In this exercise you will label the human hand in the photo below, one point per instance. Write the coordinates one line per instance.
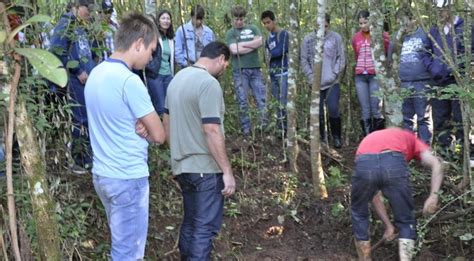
(83, 77)
(431, 205)
(229, 184)
(140, 129)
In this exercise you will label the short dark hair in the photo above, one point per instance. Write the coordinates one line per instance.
(238, 11)
(169, 32)
(198, 12)
(327, 17)
(363, 14)
(216, 49)
(404, 11)
(268, 14)
(134, 26)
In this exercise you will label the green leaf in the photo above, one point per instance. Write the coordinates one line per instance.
(3, 36)
(16, 31)
(71, 64)
(47, 64)
(39, 18)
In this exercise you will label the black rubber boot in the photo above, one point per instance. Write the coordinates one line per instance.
(366, 126)
(336, 131)
(378, 124)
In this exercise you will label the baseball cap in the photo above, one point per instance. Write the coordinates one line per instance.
(107, 6)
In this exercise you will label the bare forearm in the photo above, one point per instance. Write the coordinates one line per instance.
(380, 209)
(436, 178)
(216, 144)
(239, 49)
(254, 44)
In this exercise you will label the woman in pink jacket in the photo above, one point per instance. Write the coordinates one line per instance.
(366, 84)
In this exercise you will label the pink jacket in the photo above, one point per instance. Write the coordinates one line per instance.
(363, 52)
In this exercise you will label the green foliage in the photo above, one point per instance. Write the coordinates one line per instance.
(336, 178)
(47, 64)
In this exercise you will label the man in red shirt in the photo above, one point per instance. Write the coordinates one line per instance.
(381, 165)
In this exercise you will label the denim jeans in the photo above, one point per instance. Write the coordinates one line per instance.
(157, 89)
(280, 94)
(81, 149)
(387, 172)
(329, 97)
(203, 209)
(244, 80)
(367, 87)
(447, 118)
(126, 205)
(417, 104)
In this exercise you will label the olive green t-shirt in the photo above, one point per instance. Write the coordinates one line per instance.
(194, 97)
(245, 34)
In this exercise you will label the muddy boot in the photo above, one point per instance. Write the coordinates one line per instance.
(406, 248)
(363, 250)
(336, 132)
(378, 124)
(366, 126)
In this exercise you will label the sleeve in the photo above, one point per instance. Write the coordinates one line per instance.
(74, 55)
(256, 31)
(210, 102)
(341, 56)
(136, 97)
(179, 47)
(306, 60)
(229, 37)
(386, 41)
(287, 42)
(354, 47)
(420, 147)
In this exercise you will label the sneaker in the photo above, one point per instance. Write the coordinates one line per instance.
(78, 170)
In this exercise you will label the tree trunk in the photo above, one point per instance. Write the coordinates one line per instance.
(316, 163)
(43, 206)
(292, 141)
(389, 89)
(466, 105)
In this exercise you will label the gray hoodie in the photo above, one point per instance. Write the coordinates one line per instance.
(334, 59)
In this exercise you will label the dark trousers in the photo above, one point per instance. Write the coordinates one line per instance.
(157, 89)
(387, 172)
(447, 118)
(417, 104)
(329, 97)
(203, 208)
(81, 149)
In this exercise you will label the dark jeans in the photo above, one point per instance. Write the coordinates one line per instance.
(446, 119)
(81, 149)
(203, 208)
(280, 94)
(417, 104)
(157, 89)
(329, 97)
(244, 80)
(387, 172)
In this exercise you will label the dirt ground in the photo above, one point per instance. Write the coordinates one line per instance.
(274, 215)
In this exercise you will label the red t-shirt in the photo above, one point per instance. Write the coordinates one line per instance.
(393, 139)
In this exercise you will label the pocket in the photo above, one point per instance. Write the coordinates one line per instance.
(118, 191)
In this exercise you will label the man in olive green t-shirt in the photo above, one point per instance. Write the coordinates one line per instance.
(244, 41)
(193, 121)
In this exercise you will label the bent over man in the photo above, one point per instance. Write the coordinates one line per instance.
(381, 165)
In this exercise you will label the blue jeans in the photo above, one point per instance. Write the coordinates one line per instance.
(387, 172)
(157, 89)
(126, 205)
(417, 104)
(81, 149)
(366, 87)
(329, 97)
(280, 94)
(203, 209)
(447, 118)
(244, 80)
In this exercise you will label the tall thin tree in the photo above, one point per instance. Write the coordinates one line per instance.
(292, 141)
(316, 162)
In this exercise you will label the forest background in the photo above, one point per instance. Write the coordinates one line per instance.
(286, 208)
